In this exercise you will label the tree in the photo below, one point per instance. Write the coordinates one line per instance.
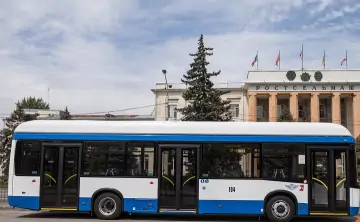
(206, 104)
(205, 101)
(34, 103)
(16, 118)
(65, 114)
(286, 116)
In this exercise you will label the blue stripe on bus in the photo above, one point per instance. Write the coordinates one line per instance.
(150, 205)
(250, 207)
(25, 202)
(185, 137)
(354, 211)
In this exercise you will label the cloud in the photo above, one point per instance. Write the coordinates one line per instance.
(108, 55)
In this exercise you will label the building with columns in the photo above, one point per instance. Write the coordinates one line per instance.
(310, 96)
(168, 99)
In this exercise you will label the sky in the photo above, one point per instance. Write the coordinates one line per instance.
(107, 55)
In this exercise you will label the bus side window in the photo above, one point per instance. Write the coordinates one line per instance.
(27, 158)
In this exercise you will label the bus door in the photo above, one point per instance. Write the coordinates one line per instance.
(59, 176)
(178, 183)
(327, 176)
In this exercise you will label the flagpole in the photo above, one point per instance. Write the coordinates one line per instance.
(324, 59)
(257, 62)
(279, 60)
(302, 57)
(346, 59)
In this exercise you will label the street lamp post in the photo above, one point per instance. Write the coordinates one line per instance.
(167, 111)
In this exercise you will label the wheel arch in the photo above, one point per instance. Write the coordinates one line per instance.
(281, 193)
(107, 190)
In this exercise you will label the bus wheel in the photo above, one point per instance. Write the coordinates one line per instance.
(108, 206)
(280, 209)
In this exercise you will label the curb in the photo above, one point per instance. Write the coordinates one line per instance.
(4, 205)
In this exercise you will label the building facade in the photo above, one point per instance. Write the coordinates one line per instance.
(169, 99)
(309, 95)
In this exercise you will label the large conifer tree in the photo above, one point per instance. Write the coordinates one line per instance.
(205, 103)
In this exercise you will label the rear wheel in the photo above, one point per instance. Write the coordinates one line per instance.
(108, 206)
(280, 209)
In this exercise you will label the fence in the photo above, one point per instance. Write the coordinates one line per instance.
(3, 189)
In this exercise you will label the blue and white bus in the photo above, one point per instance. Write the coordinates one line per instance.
(110, 168)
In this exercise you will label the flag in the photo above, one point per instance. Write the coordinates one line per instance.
(278, 60)
(301, 53)
(343, 60)
(323, 60)
(255, 60)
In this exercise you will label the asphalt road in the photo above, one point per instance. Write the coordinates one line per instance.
(10, 215)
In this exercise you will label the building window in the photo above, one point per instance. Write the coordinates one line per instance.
(227, 160)
(27, 158)
(322, 111)
(118, 159)
(260, 111)
(281, 109)
(234, 110)
(172, 111)
(283, 161)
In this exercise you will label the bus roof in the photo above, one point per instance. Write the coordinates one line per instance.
(179, 127)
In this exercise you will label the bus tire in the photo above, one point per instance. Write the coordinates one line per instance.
(280, 209)
(108, 206)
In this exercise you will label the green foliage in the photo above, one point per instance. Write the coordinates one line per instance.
(65, 114)
(33, 103)
(16, 118)
(286, 116)
(205, 101)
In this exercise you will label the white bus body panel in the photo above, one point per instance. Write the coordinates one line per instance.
(184, 128)
(23, 191)
(137, 192)
(245, 196)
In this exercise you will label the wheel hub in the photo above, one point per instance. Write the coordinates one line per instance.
(107, 206)
(280, 209)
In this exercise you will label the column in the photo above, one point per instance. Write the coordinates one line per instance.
(252, 107)
(335, 108)
(349, 113)
(272, 107)
(294, 106)
(314, 107)
(356, 116)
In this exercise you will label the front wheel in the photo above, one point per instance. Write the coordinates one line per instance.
(108, 206)
(280, 209)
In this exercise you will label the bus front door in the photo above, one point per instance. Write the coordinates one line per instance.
(178, 183)
(328, 189)
(59, 176)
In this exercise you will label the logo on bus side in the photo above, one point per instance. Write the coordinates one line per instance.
(204, 181)
(291, 186)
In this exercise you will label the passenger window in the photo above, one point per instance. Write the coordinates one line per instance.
(228, 160)
(283, 161)
(27, 158)
(118, 159)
